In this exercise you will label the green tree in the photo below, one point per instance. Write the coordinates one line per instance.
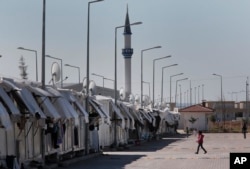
(192, 120)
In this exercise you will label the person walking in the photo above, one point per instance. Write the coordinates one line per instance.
(200, 143)
(244, 130)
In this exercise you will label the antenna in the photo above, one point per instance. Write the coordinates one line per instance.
(122, 94)
(55, 72)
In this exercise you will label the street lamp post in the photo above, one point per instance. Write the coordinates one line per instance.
(142, 70)
(87, 78)
(176, 87)
(171, 86)
(180, 96)
(115, 86)
(202, 92)
(75, 67)
(103, 78)
(109, 79)
(148, 87)
(222, 110)
(162, 75)
(61, 67)
(21, 48)
(154, 75)
(43, 78)
(198, 94)
(195, 95)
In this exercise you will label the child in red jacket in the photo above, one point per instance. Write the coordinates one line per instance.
(200, 142)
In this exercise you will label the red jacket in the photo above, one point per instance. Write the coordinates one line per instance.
(200, 138)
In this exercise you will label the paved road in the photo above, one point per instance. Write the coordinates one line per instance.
(172, 152)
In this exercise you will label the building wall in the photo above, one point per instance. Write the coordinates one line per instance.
(200, 124)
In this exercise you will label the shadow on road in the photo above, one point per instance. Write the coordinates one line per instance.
(119, 159)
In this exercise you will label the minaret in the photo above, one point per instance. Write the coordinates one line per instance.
(127, 53)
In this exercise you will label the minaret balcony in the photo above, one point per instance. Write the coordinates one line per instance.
(127, 53)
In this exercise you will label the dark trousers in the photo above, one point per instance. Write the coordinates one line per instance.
(244, 133)
(200, 145)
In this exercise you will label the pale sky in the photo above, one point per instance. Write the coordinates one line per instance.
(202, 36)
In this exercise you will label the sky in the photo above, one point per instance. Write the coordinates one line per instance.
(202, 37)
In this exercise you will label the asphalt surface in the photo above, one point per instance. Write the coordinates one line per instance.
(170, 152)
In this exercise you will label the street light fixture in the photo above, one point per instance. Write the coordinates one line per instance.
(74, 67)
(61, 66)
(109, 79)
(176, 87)
(142, 69)
(162, 79)
(21, 48)
(221, 97)
(154, 74)
(171, 85)
(101, 77)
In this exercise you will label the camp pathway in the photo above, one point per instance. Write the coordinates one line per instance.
(172, 152)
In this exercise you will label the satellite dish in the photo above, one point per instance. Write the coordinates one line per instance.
(163, 104)
(84, 83)
(92, 88)
(145, 100)
(122, 94)
(131, 98)
(137, 99)
(55, 72)
(157, 104)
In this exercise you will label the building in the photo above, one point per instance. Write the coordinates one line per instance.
(195, 117)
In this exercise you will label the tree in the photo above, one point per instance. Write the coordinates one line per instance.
(213, 118)
(23, 68)
(192, 120)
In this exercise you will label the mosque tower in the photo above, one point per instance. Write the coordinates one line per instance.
(127, 52)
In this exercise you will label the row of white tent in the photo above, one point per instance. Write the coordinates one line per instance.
(36, 123)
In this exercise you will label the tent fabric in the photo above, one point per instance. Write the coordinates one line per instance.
(98, 110)
(38, 91)
(145, 115)
(102, 110)
(83, 111)
(125, 115)
(153, 118)
(71, 98)
(126, 109)
(48, 108)
(4, 118)
(62, 105)
(12, 109)
(30, 103)
(44, 102)
(118, 112)
(133, 112)
(7, 85)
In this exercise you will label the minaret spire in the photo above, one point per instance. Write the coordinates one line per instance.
(127, 52)
(127, 29)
